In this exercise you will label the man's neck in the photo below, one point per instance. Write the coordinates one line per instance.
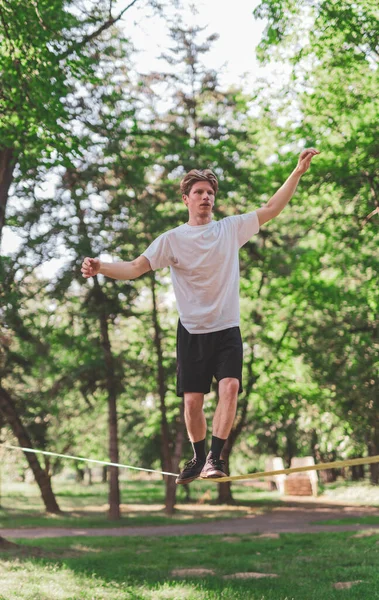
(195, 221)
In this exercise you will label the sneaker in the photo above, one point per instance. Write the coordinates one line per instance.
(190, 471)
(214, 467)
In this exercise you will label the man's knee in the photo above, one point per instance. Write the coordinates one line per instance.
(229, 386)
(193, 401)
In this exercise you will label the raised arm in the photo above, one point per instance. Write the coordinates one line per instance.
(118, 270)
(284, 194)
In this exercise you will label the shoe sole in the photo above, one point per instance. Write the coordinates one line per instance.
(213, 475)
(180, 481)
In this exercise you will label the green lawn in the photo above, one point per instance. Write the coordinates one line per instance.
(306, 567)
(143, 504)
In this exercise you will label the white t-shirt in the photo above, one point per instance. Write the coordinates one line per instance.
(204, 265)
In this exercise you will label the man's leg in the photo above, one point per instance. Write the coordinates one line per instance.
(222, 424)
(194, 416)
(226, 408)
(196, 428)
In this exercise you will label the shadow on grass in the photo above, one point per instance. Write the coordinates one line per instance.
(144, 506)
(132, 515)
(306, 566)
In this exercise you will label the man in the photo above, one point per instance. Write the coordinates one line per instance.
(203, 258)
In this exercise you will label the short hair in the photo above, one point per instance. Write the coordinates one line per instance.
(198, 175)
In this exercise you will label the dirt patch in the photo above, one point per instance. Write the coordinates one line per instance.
(230, 539)
(249, 575)
(301, 519)
(368, 533)
(345, 585)
(273, 536)
(78, 548)
(373, 510)
(196, 572)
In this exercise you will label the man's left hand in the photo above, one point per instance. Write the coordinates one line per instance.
(305, 160)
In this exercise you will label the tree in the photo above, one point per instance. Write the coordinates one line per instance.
(203, 126)
(46, 49)
(335, 81)
(44, 245)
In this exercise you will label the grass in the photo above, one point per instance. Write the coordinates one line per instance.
(307, 568)
(361, 492)
(86, 506)
(143, 503)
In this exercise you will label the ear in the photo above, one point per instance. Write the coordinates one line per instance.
(185, 199)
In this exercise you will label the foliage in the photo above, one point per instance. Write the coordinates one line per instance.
(113, 152)
(331, 268)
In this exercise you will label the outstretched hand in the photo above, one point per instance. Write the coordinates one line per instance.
(305, 159)
(90, 267)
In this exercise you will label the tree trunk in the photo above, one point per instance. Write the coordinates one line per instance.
(8, 410)
(357, 472)
(5, 545)
(291, 442)
(167, 463)
(187, 491)
(328, 476)
(111, 384)
(79, 475)
(225, 489)
(7, 162)
(104, 477)
(171, 487)
(373, 450)
(88, 472)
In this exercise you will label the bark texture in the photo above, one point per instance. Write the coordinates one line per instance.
(9, 412)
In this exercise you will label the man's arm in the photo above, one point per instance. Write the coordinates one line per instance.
(118, 270)
(284, 194)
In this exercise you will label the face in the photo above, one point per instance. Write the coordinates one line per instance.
(201, 199)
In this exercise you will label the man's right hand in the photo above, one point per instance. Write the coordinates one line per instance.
(90, 267)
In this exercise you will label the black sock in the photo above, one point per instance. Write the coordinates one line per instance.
(217, 446)
(199, 449)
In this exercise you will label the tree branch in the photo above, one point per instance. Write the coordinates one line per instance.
(88, 38)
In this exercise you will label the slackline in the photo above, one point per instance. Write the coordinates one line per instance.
(99, 462)
(337, 464)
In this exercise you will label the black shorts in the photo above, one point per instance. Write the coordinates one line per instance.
(200, 356)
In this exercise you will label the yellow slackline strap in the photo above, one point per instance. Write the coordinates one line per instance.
(99, 462)
(337, 464)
